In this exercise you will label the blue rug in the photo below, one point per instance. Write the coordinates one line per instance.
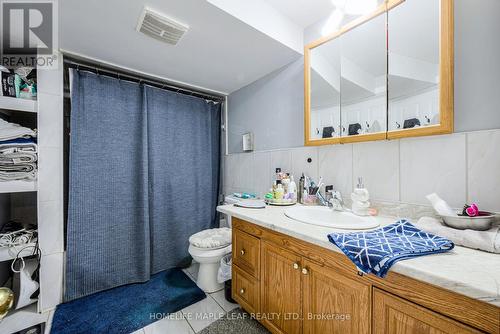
(127, 308)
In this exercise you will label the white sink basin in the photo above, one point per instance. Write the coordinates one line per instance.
(323, 216)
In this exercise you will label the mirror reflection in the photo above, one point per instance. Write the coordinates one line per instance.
(325, 90)
(413, 80)
(364, 79)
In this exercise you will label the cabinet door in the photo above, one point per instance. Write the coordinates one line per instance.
(334, 303)
(246, 252)
(281, 302)
(393, 315)
(245, 290)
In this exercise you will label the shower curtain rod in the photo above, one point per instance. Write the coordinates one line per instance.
(120, 73)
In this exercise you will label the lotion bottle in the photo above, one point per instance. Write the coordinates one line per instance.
(278, 194)
(292, 188)
(360, 199)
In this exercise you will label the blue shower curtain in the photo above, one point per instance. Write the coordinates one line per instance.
(144, 175)
(184, 142)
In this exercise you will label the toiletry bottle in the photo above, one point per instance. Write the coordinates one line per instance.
(278, 173)
(286, 183)
(278, 194)
(360, 199)
(300, 192)
(292, 188)
(360, 193)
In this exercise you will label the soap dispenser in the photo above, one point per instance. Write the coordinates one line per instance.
(360, 199)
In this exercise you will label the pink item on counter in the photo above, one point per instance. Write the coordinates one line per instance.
(472, 211)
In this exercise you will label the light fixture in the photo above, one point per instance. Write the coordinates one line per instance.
(333, 22)
(356, 7)
(343, 7)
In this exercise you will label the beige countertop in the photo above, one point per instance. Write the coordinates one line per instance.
(469, 272)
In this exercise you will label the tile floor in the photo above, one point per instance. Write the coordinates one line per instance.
(193, 318)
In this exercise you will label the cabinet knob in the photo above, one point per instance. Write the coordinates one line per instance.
(242, 252)
(305, 271)
(295, 266)
(242, 291)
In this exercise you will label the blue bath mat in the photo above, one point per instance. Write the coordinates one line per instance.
(127, 308)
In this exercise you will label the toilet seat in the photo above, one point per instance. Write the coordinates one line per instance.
(207, 248)
(209, 253)
(211, 239)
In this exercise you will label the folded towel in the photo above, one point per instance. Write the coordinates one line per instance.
(376, 251)
(488, 241)
(17, 158)
(18, 172)
(10, 131)
(15, 176)
(18, 144)
(17, 167)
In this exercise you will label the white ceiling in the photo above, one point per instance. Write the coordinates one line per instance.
(303, 12)
(219, 52)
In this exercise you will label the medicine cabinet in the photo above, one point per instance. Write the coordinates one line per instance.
(385, 75)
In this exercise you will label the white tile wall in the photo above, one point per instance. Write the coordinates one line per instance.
(301, 165)
(378, 164)
(335, 166)
(461, 168)
(261, 170)
(281, 159)
(434, 164)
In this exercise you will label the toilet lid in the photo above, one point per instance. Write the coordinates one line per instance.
(212, 238)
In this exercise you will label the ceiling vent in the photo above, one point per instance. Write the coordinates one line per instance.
(161, 27)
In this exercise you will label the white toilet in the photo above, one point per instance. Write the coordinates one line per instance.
(207, 248)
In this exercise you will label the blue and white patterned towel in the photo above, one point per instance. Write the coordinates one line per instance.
(376, 251)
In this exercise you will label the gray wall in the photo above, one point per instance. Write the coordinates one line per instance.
(272, 107)
(477, 65)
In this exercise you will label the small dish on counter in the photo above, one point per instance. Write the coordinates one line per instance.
(280, 202)
(482, 222)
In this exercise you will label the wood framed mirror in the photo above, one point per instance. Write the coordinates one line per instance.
(385, 75)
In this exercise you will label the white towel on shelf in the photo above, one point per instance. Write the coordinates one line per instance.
(10, 131)
(14, 172)
(18, 176)
(18, 158)
(488, 241)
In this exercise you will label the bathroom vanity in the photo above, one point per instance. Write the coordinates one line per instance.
(295, 281)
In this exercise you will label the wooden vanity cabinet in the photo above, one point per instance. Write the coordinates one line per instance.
(246, 290)
(281, 289)
(333, 302)
(393, 315)
(294, 287)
